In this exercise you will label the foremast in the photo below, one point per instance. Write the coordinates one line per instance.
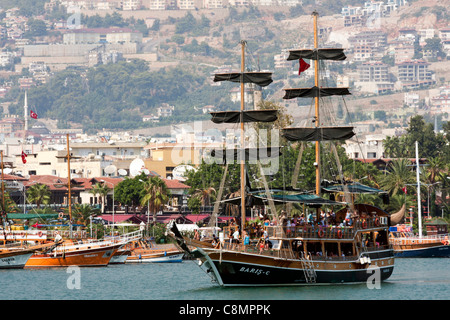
(243, 116)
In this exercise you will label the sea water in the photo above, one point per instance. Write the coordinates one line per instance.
(412, 279)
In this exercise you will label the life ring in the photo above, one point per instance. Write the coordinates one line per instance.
(377, 222)
(320, 233)
(339, 234)
(60, 215)
(364, 224)
(40, 234)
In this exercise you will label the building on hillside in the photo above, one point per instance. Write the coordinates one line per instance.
(370, 148)
(9, 125)
(415, 74)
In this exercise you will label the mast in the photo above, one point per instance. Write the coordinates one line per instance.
(316, 102)
(419, 204)
(242, 152)
(3, 212)
(69, 195)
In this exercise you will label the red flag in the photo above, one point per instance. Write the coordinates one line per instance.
(24, 157)
(33, 115)
(404, 190)
(303, 66)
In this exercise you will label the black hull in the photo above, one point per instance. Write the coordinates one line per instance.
(429, 252)
(239, 274)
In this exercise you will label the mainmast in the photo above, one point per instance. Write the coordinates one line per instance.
(242, 151)
(316, 103)
(69, 194)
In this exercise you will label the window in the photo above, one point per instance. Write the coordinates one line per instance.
(371, 155)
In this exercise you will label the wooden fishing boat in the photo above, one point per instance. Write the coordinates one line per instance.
(82, 253)
(345, 250)
(76, 253)
(146, 251)
(406, 244)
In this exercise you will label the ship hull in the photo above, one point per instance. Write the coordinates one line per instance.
(14, 260)
(97, 257)
(156, 257)
(240, 269)
(438, 251)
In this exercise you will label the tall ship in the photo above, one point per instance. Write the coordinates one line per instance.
(352, 247)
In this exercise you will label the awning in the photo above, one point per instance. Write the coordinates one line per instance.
(117, 217)
(32, 215)
(196, 217)
(356, 188)
(307, 199)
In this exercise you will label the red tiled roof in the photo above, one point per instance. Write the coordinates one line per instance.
(175, 184)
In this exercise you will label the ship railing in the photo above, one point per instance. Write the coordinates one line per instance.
(398, 240)
(329, 231)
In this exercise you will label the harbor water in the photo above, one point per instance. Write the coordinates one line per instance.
(413, 279)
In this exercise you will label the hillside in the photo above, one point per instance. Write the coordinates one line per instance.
(191, 45)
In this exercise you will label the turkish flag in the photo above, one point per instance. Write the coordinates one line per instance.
(405, 190)
(24, 157)
(33, 115)
(303, 66)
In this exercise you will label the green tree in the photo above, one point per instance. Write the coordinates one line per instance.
(39, 194)
(130, 190)
(82, 213)
(399, 174)
(156, 194)
(101, 189)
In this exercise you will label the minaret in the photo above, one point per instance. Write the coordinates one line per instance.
(25, 107)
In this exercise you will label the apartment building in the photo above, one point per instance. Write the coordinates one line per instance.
(415, 73)
(370, 148)
(374, 39)
(373, 71)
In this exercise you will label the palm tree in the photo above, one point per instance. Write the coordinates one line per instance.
(100, 189)
(82, 213)
(39, 194)
(204, 195)
(156, 194)
(397, 177)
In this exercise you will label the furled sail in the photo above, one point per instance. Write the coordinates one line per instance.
(314, 92)
(318, 134)
(317, 54)
(260, 78)
(247, 116)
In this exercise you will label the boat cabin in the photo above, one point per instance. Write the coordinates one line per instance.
(436, 227)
